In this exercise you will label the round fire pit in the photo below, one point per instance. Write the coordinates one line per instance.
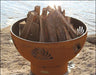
(49, 58)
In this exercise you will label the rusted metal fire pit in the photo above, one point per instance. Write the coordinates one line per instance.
(49, 58)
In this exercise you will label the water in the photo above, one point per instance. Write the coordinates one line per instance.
(12, 11)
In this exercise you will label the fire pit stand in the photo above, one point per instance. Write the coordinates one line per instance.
(49, 58)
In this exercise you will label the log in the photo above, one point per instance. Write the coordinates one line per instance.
(21, 25)
(63, 13)
(60, 22)
(37, 9)
(51, 28)
(44, 12)
(68, 21)
(58, 33)
(30, 28)
(29, 13)
(71, 26)
(34, 32)
(26, 28)
(71, 30)
(67, 18)
(67, 35)
(59, 9)
(44, 36)
(55, 7)
(49, 9)
(41, 31)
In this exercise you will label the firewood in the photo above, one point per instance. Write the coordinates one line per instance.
(50, 9)
(68, 19)
(21, 25)
(27, 27)
(34, 32)
(71, 26)
(69, 22)
(32, 28)
(67, 35)
(44, 37)
(44, 12)
(60, 20)
(55, 7)
(51, 28)
(59, 9)
(63, 13)
(41, 31)
(58, 34)
(37, 9)
(71, 31)
(29, 13)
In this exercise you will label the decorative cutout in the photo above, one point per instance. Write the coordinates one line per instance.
(80, 30)
(46, 72)
(77, 48)
(41, 54)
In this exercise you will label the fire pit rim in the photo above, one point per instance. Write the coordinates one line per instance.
(48, 42)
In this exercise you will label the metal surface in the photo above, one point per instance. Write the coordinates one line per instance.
(63, 74)
(49, 58)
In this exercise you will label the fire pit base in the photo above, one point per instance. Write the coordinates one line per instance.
(48, 58)
(34, 74)
(49, 70)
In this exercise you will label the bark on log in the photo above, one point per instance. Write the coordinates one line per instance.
(37, 9)
(47, 28)
(55, 7)
(63, 13)
(50, 9)
(58, 34)
(59, 9)
(31, 27)
(21, 26)
(71, 31)
(68, 19)
(51, 28)
(67, 35)
(44, 36)
(60, 22)
(34, 32)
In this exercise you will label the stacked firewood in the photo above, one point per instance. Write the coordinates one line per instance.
(51, 26)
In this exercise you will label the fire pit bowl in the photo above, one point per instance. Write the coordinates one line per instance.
(49, 58)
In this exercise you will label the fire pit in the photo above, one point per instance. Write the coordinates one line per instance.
(49, 58)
